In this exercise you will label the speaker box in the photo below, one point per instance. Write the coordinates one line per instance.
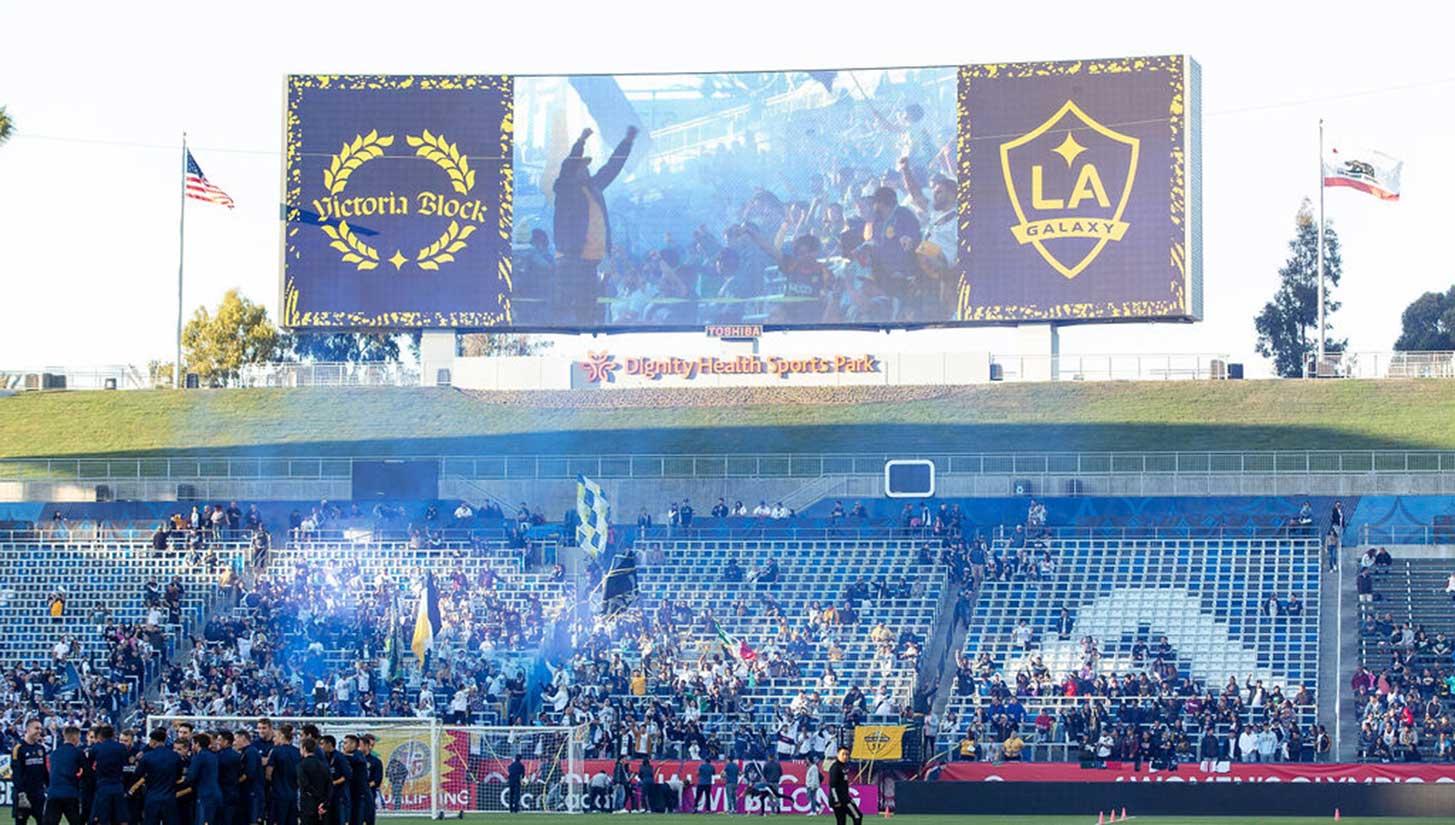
(193, 381)
(442, 378)
(1235, 372)
(103, 492)
(187, 492)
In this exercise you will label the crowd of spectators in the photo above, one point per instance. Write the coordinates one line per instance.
(850, 218)
(1404, 702)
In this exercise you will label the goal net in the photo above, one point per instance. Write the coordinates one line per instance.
(437, 769)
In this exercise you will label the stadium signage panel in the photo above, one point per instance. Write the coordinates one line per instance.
(741, 202)
(1224, 772)
(602, 366)
(735, 332)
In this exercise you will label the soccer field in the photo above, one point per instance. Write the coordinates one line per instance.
(684, 819)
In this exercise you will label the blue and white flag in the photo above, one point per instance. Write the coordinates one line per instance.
(593, 514)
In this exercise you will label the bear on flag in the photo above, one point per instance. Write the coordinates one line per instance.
(1367, 170)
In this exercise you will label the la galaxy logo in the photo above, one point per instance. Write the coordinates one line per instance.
(1061, 177)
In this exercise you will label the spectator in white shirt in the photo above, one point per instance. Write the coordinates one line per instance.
(1248, 745)
(762, 510)
(779, 511)
(464, 512)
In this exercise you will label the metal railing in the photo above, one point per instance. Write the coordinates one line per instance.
(342, 374)
(109, 377)
(1378, 534)
(1112, 367)
(1283, 532)
(1425, 364)
(712, 466)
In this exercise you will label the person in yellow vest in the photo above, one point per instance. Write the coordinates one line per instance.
(639, 683)
(969, 748)
(57, 606)
(1011, 748)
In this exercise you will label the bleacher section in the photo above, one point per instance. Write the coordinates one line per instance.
(811, 571)
(1206, 595)
(93, 573)
(1409, 592)
(515, 585)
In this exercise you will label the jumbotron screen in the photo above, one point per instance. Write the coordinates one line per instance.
(977, 194)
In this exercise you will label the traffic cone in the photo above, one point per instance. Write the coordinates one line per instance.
(1100, 818)
(1336, 814)
(1124, 813)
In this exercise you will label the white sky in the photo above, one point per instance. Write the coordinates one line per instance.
(101, 93)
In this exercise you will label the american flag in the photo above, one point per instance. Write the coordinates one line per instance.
(200, 188)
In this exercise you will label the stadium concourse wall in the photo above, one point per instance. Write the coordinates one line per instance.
(1272, 789)
(631, 494)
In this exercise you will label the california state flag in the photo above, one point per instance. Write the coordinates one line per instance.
(1364, 169)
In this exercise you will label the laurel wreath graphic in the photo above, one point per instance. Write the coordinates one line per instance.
(447, 156)
(442, 250)
(355, 251)
(353, 155)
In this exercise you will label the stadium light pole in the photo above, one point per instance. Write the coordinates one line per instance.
(181, 258)
(1319, 267)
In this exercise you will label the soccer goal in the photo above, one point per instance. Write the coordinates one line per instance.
(447, 770)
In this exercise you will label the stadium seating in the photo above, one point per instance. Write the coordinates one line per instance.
(108, 574)
(1206, 595)
(810, 570)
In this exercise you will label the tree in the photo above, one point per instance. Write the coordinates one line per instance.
(493, 343)
(217, 346)
(1288, 325)
(353, 347)
(7, 126)
(1428, 323)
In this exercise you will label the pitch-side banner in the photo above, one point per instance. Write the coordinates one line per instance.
(1204, 772)
(978, 194)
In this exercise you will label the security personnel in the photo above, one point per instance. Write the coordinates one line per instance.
(229, 771)
(160, 769)
(249, 779)
(29, 776)
(64, 791)
(130, 772)
(108, 761)
(282, 773)
(202, 776)
(338, 774)
(376, 780)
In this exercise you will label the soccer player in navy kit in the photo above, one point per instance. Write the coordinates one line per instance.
(229, 771)
(376, 780)
(339, 774)
(108, 760)
(129, 774)
(282, 774)
(64, 791)
(202, 776)
(249, 780)
(358, 783)
(160, 770)
(29, 775)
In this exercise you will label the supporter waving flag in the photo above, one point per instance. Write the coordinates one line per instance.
(737, 647)
(426, 619)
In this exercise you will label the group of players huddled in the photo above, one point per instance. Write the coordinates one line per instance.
(184, 776)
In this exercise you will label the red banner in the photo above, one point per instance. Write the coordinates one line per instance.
(1196, 772)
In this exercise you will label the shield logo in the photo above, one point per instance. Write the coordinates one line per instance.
(1069, 182)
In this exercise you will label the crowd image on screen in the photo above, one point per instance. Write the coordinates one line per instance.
(839, 208)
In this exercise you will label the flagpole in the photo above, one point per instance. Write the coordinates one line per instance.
(181, 259)
(1319, 273)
